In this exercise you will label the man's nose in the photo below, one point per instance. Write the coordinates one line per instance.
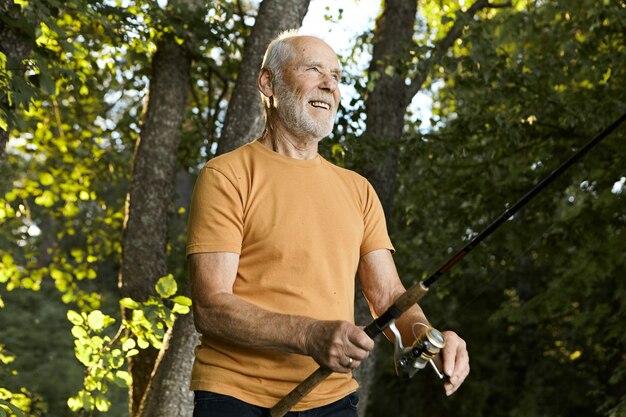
(329, 82)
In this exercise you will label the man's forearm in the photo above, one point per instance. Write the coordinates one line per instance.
(227, 317)
(407, 321)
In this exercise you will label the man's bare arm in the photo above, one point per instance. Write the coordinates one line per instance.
(381, 287)
(220, 314)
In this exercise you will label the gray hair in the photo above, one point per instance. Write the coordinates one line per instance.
(278, 52)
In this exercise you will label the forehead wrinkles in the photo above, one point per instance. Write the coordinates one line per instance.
(313, 51)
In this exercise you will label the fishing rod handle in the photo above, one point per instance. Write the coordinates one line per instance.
(283, 406)
(402, 303)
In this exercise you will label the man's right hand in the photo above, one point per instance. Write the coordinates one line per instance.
(337, 345)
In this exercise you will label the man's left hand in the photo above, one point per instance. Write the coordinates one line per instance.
(455, 361)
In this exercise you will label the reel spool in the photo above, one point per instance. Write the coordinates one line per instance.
(409, 360)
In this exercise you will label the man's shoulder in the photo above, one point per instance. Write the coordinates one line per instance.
(231, 160)
(345, 173)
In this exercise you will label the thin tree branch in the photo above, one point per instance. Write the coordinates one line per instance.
(200, 121)
(445, 43)
(242, 14)
(500, 6)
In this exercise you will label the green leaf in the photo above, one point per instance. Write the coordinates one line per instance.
(79, 332)
(180, 309)
(166, 286)
(182, 300)
(102, 404)
(46, 178)
(129, 344)
(129, 303)
(14, 409)
(124, 377)
(75, 318)
(143, 343)
(74, 404)
(96, 320)
(46, 199)
(46, 83)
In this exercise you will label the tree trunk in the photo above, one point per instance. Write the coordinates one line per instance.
(244, 117)
(144, 254)
(385, 109)
(386, 106)
(168, 394)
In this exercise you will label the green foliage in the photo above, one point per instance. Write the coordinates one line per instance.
(11, 403)
(104, 357)
(540, 303)
(43, 29)
(8, 409)
(64, 178)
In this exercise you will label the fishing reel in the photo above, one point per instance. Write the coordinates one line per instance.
(409, 360)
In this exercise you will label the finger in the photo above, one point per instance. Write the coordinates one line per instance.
(462, 368)
(448, 357)
(360, 339)
(353, 363)
(358, 354)
(456, 362)
(346, 365)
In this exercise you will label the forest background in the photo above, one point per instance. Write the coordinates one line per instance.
(110, 108)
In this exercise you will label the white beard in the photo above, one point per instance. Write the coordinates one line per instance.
(292, 110)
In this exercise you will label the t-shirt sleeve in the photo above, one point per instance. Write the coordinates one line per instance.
(216, 214)
(375, 235)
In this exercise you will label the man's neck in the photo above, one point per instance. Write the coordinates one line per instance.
(286, 144)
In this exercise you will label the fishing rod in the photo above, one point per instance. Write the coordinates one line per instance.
(429, 345)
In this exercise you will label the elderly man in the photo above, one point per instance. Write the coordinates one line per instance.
(276, 237)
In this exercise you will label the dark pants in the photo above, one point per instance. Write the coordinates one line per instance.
(209, 404)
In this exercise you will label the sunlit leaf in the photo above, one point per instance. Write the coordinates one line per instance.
(166, 286)
(129, 303)
(96, 320)
(75, 318)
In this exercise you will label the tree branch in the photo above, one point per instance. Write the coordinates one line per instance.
(445, 43)
(242, 14)
(500, 6)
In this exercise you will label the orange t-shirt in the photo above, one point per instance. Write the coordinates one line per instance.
(300, 227)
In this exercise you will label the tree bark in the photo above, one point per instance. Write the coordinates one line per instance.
(385, 108)
(244, 118)
(144, 253)
(168, 393)
(386, 105)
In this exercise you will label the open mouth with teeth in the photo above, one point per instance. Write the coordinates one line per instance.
(320, 105)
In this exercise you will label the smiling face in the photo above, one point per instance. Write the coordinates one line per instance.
(307, 95)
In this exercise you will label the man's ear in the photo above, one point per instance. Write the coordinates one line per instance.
(265, 84)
